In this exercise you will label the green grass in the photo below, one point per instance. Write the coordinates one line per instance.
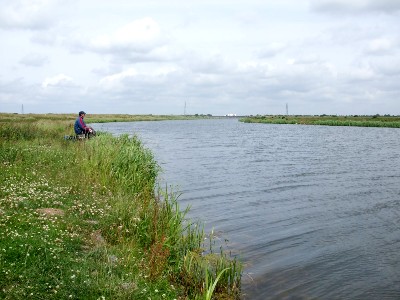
(87, 220)
(359, 121)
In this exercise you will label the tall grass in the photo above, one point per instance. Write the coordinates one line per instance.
(152, 216)
(122, 163)
(113, 231)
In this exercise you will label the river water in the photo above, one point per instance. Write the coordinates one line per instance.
(313, 211)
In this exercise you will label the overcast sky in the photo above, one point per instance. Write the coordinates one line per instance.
(219, 56)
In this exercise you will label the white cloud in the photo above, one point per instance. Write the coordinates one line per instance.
(144, 76)
(59, 80)
(379, 46)
(50, 37)
(305, 59)
(140, 36)
(388, 68)
(116, 80)
(210, 64)
(27, 14)
(34, 60)
(340, 6)
(271, 50)
(359, 74)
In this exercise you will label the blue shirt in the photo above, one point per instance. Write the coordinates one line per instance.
(80, 125)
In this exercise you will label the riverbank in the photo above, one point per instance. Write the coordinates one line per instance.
(360, 121)
(86, 220)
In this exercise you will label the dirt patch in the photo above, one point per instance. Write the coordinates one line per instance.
(97, 239)
(50, 211)
(92, 222)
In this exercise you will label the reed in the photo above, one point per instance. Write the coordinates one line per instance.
(211, 284)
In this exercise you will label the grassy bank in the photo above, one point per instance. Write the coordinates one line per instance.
(86, 220)
(360, 121)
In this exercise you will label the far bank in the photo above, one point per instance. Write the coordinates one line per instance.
(327, 120)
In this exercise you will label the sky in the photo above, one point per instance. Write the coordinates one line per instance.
(218, 57)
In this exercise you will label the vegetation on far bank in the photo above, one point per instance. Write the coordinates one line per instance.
(328, 120)
(86, 220)
(98, 118)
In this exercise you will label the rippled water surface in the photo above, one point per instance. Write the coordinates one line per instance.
(313, 211)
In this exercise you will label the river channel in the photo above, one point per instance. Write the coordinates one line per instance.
(313, 211)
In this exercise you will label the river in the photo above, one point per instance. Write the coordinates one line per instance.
(313, 211)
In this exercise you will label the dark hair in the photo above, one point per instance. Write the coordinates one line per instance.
(82, 112)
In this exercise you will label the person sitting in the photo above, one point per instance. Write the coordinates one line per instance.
(80, 126)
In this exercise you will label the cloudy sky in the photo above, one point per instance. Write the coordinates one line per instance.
(217, 56)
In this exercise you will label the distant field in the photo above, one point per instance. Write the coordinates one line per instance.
(360, 121)
(98, 118)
